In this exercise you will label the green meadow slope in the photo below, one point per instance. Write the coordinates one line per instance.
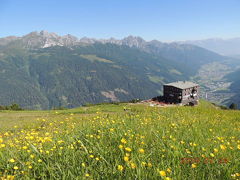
(121, 141)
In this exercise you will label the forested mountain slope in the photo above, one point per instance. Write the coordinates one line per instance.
(44, 70)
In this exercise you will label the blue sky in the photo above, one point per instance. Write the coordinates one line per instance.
(165, 20)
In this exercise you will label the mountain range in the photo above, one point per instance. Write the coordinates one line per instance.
(227, 47)
(43, 70)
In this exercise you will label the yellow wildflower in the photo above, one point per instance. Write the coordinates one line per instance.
(2, 145)
(149, 164)
(120, 146)
(162, 173)
(169, 170)
(124, 141)
(133, 166)
(141, 150)
(9, 177)
(12, 160)
(127, 154)
(194, 165)
(120, 167)
(126, 158)
(222, 147)
(128, 149)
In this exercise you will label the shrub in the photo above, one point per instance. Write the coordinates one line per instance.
(233, 106)
(134, 100)
(15, 107)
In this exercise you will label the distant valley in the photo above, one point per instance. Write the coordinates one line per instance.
(220, 79)
(43, 70)
(226, 47)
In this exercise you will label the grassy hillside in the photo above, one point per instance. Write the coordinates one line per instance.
(106, 142)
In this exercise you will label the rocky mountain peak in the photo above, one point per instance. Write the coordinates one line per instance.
(134, 41)
(47, 34)
(44, 39)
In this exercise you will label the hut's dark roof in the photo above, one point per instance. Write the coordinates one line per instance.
(182, 84)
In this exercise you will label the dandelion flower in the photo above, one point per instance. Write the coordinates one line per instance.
(120, 167)
(12, 160)
(149, 164)
(128, 149)
(222, 147)
(162, 173)
(120, 146)
(126, 158)
(3, 145)
(9, 177)
(133, 166)
(141, 150)
(169, 170)
(124, 141)
(194, 165)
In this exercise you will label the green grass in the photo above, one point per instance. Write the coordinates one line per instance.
(174, 71)
(93, 57)
(156, 79)
(106, 142)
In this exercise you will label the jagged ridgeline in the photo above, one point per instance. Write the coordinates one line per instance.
(44, 70)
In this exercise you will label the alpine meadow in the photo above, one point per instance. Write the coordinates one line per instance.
(106, 142)
(119, 90)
